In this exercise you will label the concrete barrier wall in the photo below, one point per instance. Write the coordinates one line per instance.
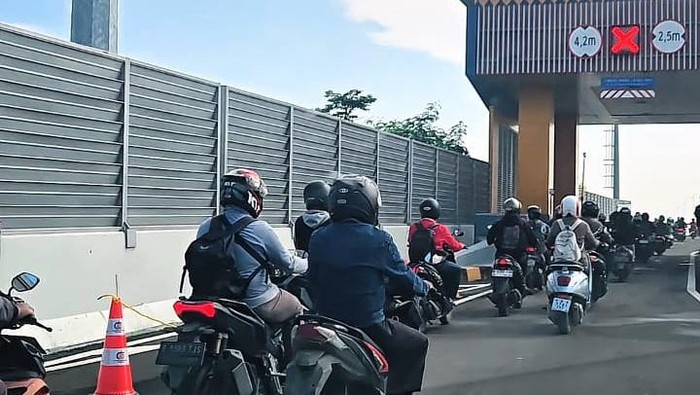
(76, 268)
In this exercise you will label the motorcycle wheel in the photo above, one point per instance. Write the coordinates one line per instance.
(502, 304)
(564, 324)
(445, 319)
(624, 273)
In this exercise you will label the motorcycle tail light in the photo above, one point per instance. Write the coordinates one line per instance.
(314, 333)
(531, 250)
(563, 281)
(379, 357)
(502, 262)
(206, 309)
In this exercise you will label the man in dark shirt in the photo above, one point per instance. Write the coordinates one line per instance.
(316, 215)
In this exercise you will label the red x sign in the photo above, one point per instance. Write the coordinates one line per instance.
(625, 40)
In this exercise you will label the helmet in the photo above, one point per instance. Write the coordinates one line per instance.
(602, 218)
(662, 218)
(534, 212)
(316, 195)
(354, 196)
(590, 209)
(645, 217)
(570, 205)
(512, 205)
(243, 188)
(429, 208)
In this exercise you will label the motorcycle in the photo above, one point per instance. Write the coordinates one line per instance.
(680, 234)
(644, 247)
(623, 262)
(22, 357)
(223, 346)
(534, 273)
(505, 295)
(569, 293)
(334, 358)
(660, 244)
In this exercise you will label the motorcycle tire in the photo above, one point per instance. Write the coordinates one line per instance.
(624, 274)
(564, 324)
(445, 319)
(502, 304)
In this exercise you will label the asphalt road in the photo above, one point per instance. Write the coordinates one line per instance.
(643, 338)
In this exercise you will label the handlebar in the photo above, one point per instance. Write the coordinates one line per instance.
(31, 320)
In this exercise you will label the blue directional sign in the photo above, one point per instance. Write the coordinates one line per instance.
(627, 83)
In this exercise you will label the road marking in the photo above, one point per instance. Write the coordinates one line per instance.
(470, 298)
(691, 277)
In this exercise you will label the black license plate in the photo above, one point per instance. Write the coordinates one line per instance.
(180, 354)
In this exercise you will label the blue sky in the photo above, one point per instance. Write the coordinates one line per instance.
(405, 52)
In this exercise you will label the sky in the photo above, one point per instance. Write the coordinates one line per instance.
(406, 53)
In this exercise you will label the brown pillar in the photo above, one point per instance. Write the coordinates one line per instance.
(535, 145)
(565, 155)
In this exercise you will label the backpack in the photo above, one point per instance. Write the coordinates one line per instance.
(211, 269)
(566, 246)
(422, 242)
(511, 238)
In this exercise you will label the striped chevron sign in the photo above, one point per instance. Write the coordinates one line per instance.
(627, 94)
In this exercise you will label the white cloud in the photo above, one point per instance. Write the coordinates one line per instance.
(433, 26)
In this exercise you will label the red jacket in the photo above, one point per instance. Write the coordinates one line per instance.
(443, 236)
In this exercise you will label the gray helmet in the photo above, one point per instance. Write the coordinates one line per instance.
(512, 205)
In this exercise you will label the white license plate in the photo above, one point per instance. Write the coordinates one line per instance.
(501, 273)
(643, 241)
(563, 305)
(531, 262)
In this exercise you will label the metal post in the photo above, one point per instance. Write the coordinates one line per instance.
(616, 162)
(340, 145)
(221, 143)
(290, 194)
(583, 177)
(459, 162)
(125, 143)
(376, 158)
(437, 173)
(409, 201)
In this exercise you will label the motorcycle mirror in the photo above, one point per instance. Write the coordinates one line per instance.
(24, 282)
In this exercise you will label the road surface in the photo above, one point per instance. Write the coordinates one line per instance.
(643, 338)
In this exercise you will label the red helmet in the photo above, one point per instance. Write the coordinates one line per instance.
(243, 188)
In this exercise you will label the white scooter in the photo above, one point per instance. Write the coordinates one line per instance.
(569, 292)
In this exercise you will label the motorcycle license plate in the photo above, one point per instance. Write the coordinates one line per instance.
(502, 273)
(531, 262)
(561, 304)
(643, 241)
(180, 354)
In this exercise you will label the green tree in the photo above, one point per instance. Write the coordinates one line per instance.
(343, 105)
(422, 128)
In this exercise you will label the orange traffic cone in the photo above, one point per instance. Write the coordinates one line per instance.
(115, 370)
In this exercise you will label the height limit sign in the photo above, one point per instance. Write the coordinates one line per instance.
(585, 41)
(669, 36)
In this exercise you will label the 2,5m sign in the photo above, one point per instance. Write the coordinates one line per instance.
(585, 41)
(669, 36)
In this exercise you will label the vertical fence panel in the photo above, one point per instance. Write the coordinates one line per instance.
(358, 150)
(60, 134)
(482, 187)
(465, 184)
(315, 152)
(447, 183)
(393, 178)
(258, 139)
(172, 147)
(424, 175)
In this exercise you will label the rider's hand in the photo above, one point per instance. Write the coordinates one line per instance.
(24, 310)
(429, 284)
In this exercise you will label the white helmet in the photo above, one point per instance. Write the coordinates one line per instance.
(570, 205)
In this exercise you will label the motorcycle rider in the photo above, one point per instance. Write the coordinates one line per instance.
(589, 214)
(349, 260)
(646, 227)
(661, 227)
(11, 312)
(624, 230)
(254, 249)
(540, 229)
(316, 215)
(693, 227)
(511, 235)
(681, 223)
(442, 240)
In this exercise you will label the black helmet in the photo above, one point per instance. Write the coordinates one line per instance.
(354, 196)
(429, 208)
(316, 195)
(590, 209)
(534, 212)
(602, 218)
(243, 188)
(512, 205)
(645, 217)
(662, 218)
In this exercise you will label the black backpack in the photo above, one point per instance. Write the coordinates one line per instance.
(422, 243)
(211, 269)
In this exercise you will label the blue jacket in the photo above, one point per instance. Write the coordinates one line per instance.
(264, 240)
(348, 264)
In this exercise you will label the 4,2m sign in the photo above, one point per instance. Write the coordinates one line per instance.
(585, 41)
